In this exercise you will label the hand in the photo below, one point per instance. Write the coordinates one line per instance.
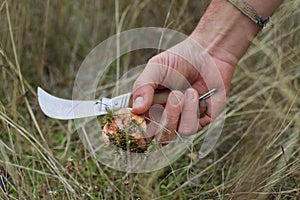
(189, 71)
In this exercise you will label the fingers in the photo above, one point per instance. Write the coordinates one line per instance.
(194, 114)
(182, 113)
(205, 120)
(190, 112)
(170, 118)
(203, 108)
(215, 104)
(154, 117)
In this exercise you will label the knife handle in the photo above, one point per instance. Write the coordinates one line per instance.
(121, 101)
(161, 97)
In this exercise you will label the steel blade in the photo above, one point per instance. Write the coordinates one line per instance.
(65, 109)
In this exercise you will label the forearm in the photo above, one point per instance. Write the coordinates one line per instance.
(226, 33)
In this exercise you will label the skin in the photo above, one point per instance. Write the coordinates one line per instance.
(223, 35)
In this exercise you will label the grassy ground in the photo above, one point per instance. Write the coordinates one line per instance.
(44, 42)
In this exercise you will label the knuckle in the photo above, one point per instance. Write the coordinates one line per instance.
(137, 84)
(188, 129)
(157, 59)
(172, 117)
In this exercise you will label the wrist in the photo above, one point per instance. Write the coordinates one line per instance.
(225, 32)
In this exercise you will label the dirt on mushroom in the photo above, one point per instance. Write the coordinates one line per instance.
(126, 130)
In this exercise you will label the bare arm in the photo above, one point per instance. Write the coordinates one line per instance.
(226, 32)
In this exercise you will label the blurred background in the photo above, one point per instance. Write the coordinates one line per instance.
(44, 42)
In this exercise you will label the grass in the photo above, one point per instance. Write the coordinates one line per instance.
(44, 42)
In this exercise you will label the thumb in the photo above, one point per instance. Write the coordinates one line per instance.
(146, 83)
(142, 98)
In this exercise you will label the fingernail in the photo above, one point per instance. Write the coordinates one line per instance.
(174, 100)
(138, 102)
(190, 94)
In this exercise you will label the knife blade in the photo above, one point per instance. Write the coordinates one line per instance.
(65, 109)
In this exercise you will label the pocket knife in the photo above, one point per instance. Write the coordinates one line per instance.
(65, 109)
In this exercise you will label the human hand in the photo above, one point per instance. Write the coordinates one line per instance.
(189, 71)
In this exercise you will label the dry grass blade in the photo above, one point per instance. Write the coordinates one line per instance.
(43, 43)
